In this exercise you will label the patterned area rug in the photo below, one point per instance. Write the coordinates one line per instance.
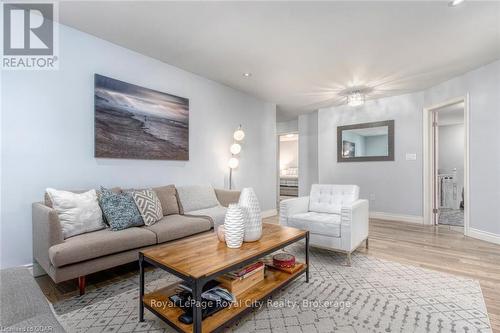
(373, 295)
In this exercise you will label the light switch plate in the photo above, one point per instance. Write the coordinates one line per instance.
(411, 156)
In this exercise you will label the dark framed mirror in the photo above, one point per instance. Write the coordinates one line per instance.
(366, 142)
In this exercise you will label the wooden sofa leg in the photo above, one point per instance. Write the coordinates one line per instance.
(366, 242)
(81, 284)
(349, 259)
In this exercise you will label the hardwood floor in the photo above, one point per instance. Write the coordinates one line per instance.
(439, 248)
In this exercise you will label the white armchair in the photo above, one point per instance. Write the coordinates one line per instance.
(333, 214)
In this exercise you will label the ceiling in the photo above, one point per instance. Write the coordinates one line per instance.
(303, 55)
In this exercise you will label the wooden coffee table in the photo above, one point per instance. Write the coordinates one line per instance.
(201, 258)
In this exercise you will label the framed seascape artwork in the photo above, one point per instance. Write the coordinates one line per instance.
(139, 123)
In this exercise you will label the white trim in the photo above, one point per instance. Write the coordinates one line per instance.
(397, 217)
(269, 213)
(278, 180)
(427, 160)
(484, 235)
(31, 268)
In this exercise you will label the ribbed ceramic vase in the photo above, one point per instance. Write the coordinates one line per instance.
(234, 226)
(253, 219)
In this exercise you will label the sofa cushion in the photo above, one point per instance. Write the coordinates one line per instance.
(120, 209)
(99, 243)
(177, 226)
(168, 199)
(48, 202)
(226, 197)
(331, 198)
(217, 214)
(149, 206)
(317, 223)
(196, 197)
(78, 212)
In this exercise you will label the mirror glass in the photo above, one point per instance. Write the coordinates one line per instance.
(361, 142)
(366, 142)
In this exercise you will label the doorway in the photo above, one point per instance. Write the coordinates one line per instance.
(288, 166)
(446, 164)
(450, 144)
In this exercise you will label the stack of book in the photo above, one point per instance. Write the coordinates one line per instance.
(243, 279)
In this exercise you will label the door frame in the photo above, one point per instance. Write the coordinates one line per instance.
(429, 159)
(278, 173)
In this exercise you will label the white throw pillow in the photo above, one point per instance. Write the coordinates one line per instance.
(78, 212)
(197, 197)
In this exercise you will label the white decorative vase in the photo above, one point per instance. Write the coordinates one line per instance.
(234, 226)
(253, 218)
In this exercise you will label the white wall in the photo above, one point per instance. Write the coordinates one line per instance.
(483, 87)
(289, 154)
(397, 186)
(308, 152)
(451, 152)
(47, 134)
(393, 186)
(290, 126)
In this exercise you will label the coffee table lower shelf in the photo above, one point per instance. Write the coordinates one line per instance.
(274, 279)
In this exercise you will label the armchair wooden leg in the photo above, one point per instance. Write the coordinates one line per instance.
(81, 284)
(366, 242)
(349, 259)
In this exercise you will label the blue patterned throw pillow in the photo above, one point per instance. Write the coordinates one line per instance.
(119, 209)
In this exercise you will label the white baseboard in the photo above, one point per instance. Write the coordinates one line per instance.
(484, 235)
(397, 217)
(269, 213)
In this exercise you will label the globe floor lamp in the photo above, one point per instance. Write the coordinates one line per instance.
(235, 150)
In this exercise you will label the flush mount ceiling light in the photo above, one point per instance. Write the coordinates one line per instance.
(455, 3)
(355, 95)
(356, 98)
(248, 74)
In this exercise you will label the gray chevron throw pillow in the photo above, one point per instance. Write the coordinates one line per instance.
(149, 206)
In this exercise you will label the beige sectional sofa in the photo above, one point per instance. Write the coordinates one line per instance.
(77, 256)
